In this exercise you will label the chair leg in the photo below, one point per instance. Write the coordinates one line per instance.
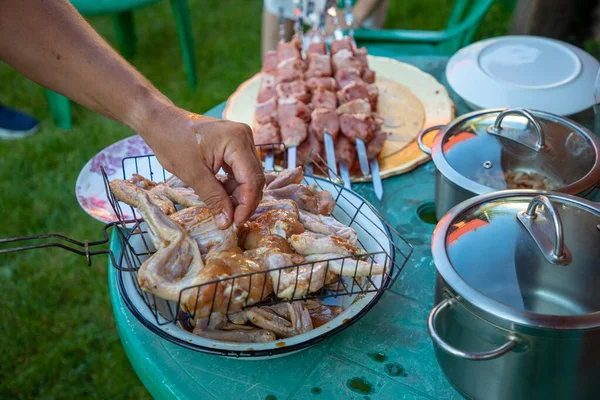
(60, 108)
(125, 30)
(181, 11)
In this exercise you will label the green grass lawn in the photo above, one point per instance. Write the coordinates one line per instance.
(57, 334)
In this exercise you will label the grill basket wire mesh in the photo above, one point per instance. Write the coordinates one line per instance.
(392, 253)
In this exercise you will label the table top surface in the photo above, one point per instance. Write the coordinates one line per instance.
(387, 354)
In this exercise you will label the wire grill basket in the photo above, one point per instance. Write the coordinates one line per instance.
(230, 294)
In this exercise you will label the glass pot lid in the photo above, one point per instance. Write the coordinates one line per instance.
(521, 149)
(537, 253)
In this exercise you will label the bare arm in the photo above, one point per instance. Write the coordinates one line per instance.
(49, 42)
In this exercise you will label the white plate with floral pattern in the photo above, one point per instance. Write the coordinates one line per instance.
(90, 190)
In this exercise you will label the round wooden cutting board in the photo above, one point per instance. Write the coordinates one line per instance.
(409, 100)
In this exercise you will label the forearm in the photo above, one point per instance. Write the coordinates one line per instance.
(50, 43)
(362, 9)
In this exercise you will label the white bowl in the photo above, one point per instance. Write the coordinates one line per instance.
(524, 71)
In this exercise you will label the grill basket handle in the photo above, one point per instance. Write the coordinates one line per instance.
(61, 241)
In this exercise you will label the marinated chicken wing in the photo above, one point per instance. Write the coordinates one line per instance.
(177, 262)
(252, 335)
(286, 177)
(309, 243)
(327, 226)
(347, 266)
(286, 205)
(319, 313)
(199, 223)
(127, 192)
(223, 289)
(307, 197)
(266, 318)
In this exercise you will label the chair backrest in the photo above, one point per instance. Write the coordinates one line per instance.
(461, 26)
(467, 12)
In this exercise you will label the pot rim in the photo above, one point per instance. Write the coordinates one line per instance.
(588, 181)
(477, 299)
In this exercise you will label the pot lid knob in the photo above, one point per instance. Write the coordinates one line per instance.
(542, 231)
(496, 129)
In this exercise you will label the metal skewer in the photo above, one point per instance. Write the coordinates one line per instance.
(360, 144)
(292, 150)
(344, 169)
(269, 156)
(330, 154)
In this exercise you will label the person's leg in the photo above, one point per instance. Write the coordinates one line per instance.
(270, 30)
(15, 124)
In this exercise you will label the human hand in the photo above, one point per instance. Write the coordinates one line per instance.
(194, 148)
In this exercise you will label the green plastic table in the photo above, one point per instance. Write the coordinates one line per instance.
(385, 355)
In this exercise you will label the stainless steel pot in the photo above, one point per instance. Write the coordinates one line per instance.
(478, 152)
(517, 295)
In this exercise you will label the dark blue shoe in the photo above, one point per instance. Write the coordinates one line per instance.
(15, 124)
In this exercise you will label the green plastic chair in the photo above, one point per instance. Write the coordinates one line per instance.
(122, 12)
(462, 24)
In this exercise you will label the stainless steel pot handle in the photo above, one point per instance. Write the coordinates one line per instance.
(496, 129)
(512, 342)
(559, 254)
(422, 134)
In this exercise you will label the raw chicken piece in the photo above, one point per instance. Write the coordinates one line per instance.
(129, 193)
(322, 98)
(327, 226)
(300, 321)
(270, 62)
(308, 243)
(368, 75)
(318, 48)
(347, 266)
(319, 65)
(175, 182)
(289, 50)
(286, 177)
(274, 222)
(200, 225)
(263, 207)
(344, 77)
(228, 291)
(293, 131)
(345, 151)
(185, 197)
(353, 90)
(344, 59)
(290, 107)
(177, 262)
(294, 282)
(337, 45)
(361, 55)
(290, 70)
(142, 182)
(356, 106)
(307, 197)
(295, 89)
(324, 121)
(375, 146)
(267, 134)
(325, 83)
(309, 149)
(319, 313)
(266, 112)
(360, 126)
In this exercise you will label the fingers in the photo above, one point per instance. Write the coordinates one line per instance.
(249, 173)
(212, 192)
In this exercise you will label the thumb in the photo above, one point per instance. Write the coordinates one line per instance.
(213, 194)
